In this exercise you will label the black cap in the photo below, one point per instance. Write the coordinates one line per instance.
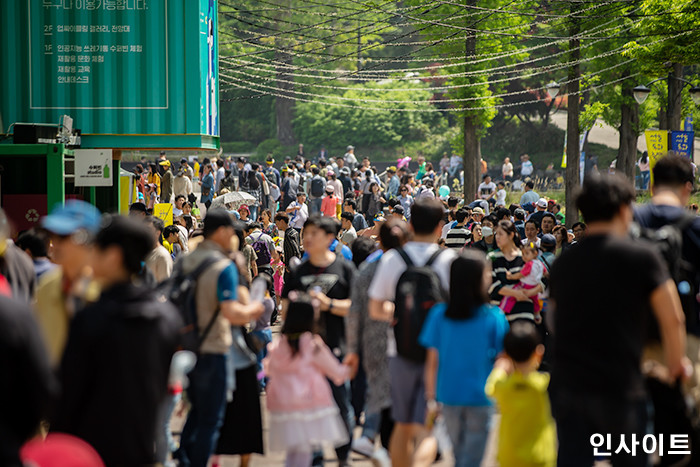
(548, 240)
(216, 218)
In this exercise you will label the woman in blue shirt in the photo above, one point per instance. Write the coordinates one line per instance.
(207, 187)
(463, 338)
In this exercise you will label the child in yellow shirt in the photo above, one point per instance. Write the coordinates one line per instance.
(527, 435)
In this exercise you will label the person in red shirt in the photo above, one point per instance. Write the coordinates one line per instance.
(330, 201)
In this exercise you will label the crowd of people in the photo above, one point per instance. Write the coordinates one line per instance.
(401, 309)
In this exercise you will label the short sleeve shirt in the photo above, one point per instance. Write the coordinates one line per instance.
(460, 380)
(227, 285)
(391, 267)
(335, 281)
(602, 314)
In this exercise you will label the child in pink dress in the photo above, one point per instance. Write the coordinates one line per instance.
(530, 277)
(278, 267)
(301, 408)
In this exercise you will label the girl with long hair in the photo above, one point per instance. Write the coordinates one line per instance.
(463, 338)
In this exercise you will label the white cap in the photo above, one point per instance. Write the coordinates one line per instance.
(542, 203)
(330, 189)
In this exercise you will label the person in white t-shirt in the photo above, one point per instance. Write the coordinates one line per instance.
(298, 212)
(526, 167)
(487, 188)
(407, 387)
(501, 195)
(507, 169)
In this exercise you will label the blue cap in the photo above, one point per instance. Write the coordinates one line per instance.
(71, 217)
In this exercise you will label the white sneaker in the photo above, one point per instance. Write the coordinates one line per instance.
(363, 445)
(380, 458)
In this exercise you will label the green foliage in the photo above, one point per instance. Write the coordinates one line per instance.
(319, 124)
(238, 147)
(245, 119)
(590, 114)
(269, 146)
(676, 19)
(512, 139)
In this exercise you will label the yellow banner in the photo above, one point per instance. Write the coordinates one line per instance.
(164, 211)
(657, 147)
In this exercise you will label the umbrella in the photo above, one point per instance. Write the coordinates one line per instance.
(235, 198)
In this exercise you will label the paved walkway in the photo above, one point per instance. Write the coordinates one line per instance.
(277, 459)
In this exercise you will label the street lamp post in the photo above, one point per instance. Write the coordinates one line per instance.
(642, 91)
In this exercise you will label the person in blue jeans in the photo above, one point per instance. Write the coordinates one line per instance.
(217, 289)
(261, 332)
(463, 338)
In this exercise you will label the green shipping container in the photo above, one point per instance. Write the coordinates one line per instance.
(131, 73)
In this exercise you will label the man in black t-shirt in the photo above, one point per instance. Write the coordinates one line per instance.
(328, 279)
(673, 185)
(603, 293)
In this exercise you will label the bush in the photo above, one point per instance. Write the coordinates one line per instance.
(238, 147)
(267, 146)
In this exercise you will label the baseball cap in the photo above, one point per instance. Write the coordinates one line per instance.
(241, 160)
(391, 169)
(478, 210)
(71, 217)
(183, 160)
(345, 171)
(541, 203)
(349, 148)
(165, 163)
(486, 231)
(285, 169)
(330, 172)
(330, 189)
(548, 240)
(216, 218)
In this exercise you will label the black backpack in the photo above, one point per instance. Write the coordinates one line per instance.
(668, 241)
(317, 186)
(181, 291)
(262, 250)
(417, 290)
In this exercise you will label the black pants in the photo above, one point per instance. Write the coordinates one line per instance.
(580, 416)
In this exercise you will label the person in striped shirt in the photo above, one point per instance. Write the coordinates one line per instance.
(458, 236)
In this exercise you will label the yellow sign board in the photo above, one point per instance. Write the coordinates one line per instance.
(164, 211)
(657, 147)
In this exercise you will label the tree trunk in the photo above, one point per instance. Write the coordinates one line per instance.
(472, 152)
(284, 106)
(629, 120)
(471, 138)
(572, 122)
(675, 92)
